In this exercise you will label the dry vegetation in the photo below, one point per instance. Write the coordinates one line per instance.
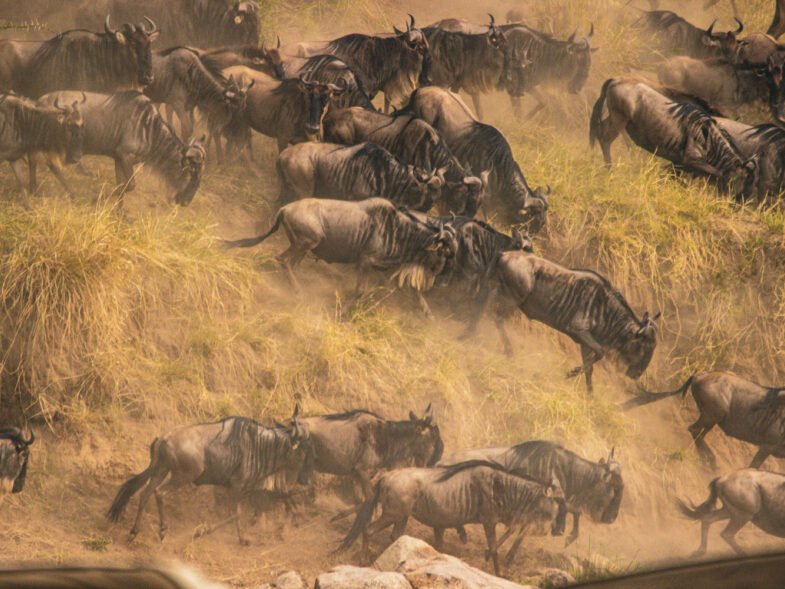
(115, 327)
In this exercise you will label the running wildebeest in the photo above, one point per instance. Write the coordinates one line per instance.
(548, 61)
(201, 23)
(289, 110)
(741, 408)
(236, 452)
(474, 492)
(357, 172)
(594, 488)
(747, 495)
(182, 82)
(393, 64)
(676, 36)
(373, 234)
(416, 143)
(468, 57)
(26, 127)
(82, 60)
(681, 133)
(360, 444)
(14, 456)
(482, 147)
(725, 86)
(128, 128)
(579, 303)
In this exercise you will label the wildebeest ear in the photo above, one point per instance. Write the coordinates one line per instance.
(601, 461)
(296, 410)
(412, 416)
(119, 37)
(657, 315)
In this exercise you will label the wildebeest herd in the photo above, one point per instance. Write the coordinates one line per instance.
(400, 192)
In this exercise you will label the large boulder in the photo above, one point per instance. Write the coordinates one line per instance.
(425, 568)
(350, 577)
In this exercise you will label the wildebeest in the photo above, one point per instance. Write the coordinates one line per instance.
(579, 303)
(741, 408)
(675, 35)
(373, 234)
(747, 495)
(416, 143)
(393, 64)
(723, 85)
(357, 172)
(128, 128)
(26, 127)
(474, 492)
(264, 59)
(82, 60)
(182, 82)
(681, 133)
(468, 57)
(201, 23)
(594, 488)
(482, 147)
(236, 452)
(14, 456)
(328, 69)
(288, 110)
(548, 61)
(360, 444)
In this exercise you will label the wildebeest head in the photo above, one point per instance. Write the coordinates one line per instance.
(496, 36)
(581, 52)
(14, 455)
(427, 447)
(608, 491)
(534, 210)
(139, 40)
(70, 118)
(303, 445)
(637, 351)
(727, 42)
(192, 160)
(521, 241)
(272, 57)
(514, 70)
(775, 65)
(317, 97)
(241, 22)
(412, 38)
(236, 94)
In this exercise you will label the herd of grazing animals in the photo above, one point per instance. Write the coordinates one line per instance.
(399, 193)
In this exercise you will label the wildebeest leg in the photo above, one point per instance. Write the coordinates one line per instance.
(154, 482)
(289, 259)
(438, 538)
(462, 534)
(385, 521)
(186, 123)
(32, 167)
(698, 431)
(124, 174)
(82, 170)
(576, 524)
(426, 309)
(57, 172)
(16, 167)
(516, 106)
(504, 310)
(387, 103)
(737, 522)
(234, 501)
(537, 95)
(477, 105)
(760, 457)
(706, 522)
(591, 353)
(493, 554)
(398, 529)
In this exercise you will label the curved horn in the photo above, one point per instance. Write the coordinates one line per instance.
(278, 41)
(153, 26)
(611, 455)
(57, 103)
(412, 21)
(710, 30)
(493, 20)
(107, 28)
(741, 25)
(29, 440)
(571, 38)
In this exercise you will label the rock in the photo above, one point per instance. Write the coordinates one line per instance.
(403, 549)
(351, 577)
(550, 577)
(288, 580)
(425, 568)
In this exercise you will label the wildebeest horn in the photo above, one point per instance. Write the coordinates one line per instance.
(29, 440)
(571, 38)
(107, 28)
(278, 41)
(296, 410)
(611, 455)
(591, 31)
(153, 26)
(741, 25)
(493, 20)
(710, 30)
(84, 98)
(412, 21)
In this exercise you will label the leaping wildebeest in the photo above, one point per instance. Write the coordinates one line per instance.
(393, 64)
(474, 492)
(236, 452)
(741, 408)
(747, 496)
(681, 133)
(482, 147)
(593, 488)
(357, 172)
(26, 127)
(129, 129)
(579, 303)
(14, 456)
(373, 234)
(82, 60)
(360, 444)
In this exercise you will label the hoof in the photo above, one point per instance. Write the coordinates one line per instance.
(573, 373)
(162, 533)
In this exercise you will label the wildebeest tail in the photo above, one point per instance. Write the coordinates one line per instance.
(132, 485)
(252, 241)
(647, 397)
(596, 113)
(704, 508)
(363, 519)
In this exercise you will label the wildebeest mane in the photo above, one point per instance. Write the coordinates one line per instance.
(347, 415)
(454, 469)
(615, 295)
